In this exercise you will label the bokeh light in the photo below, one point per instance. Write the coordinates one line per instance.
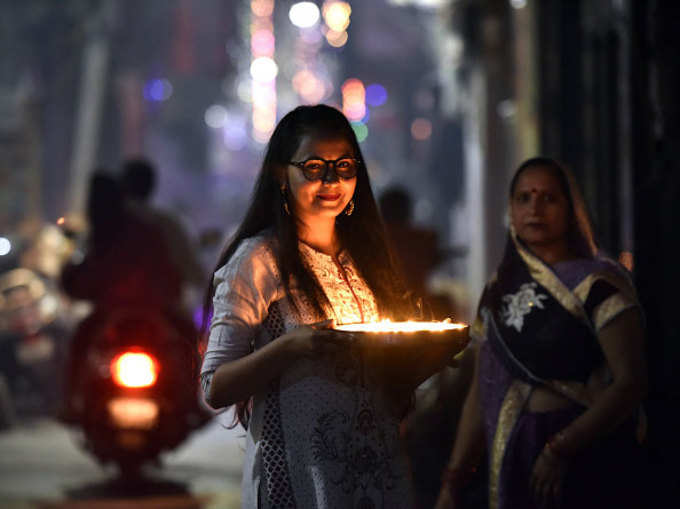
(5, 246)
(264, 120)
(263, 94)
(421, 129)
(337, 39)
(506, 109)
(235, 135)
(309, 86)
(361, 131)
(354, 89)
(244, 90)
(263, 69)
(354, 99)
(262, 8)
(158, 90)
(336, 15)
(355, 111)
(311, 36)
(376, 95)
(304, 14)
(216, 116)
(262, 43)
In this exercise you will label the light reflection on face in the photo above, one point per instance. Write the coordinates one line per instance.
(539, 210)
(320, 198)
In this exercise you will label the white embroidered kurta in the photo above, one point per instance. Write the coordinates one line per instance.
(319, 437)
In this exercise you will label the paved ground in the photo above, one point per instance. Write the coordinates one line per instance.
(42, 466)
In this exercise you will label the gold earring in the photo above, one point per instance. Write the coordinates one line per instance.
(350, 207)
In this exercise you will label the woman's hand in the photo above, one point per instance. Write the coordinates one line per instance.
(315, 340)
(446, 500)
(547, 478)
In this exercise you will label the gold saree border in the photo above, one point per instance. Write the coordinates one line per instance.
(612, 305)
(513, 403)
(478, 329)
(546, 278)
(606, 311)
(619, 282)
(574, 391)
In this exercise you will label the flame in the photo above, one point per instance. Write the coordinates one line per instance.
(409, 326)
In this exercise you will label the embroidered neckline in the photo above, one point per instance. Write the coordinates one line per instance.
(341, 256)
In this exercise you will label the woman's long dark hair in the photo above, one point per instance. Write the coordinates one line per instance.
(580, 238)
(362, 234)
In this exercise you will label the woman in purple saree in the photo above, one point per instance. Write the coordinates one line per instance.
(560, 370)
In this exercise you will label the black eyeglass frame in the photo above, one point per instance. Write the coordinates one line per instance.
(327, 163)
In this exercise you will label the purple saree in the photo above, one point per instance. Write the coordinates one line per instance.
(538, 327)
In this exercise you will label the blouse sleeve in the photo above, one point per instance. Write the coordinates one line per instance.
(244, 289)
(609, 296)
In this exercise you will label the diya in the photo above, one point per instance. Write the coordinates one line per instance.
(411, 351)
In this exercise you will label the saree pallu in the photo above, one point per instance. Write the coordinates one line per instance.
(538, 327)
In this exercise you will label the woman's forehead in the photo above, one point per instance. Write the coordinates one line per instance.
(537, 178)
(328, 145)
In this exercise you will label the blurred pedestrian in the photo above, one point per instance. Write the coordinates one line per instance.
(416, 248)
(138, 182)
(429, 430)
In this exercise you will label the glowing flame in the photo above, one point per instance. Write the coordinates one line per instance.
(61, 221)
(409, 326)
(134, 369)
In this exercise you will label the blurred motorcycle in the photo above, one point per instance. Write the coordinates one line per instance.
(132, 388)
(32, 347)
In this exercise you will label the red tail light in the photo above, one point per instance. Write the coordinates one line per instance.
(134, 369)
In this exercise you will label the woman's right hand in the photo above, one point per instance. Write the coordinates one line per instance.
(446, 500)
(315, 340)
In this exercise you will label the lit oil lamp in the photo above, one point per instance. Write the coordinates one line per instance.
(409, 352)
(388, 326)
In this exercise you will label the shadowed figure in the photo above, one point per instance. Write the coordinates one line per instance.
(138, 182)
(416, 250)
(126, 266)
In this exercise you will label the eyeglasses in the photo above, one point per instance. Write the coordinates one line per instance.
(317, 168)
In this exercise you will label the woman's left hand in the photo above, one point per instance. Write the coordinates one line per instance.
(547, 478)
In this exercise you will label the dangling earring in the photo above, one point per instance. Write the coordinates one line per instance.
(285, 200)
(350, 207)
